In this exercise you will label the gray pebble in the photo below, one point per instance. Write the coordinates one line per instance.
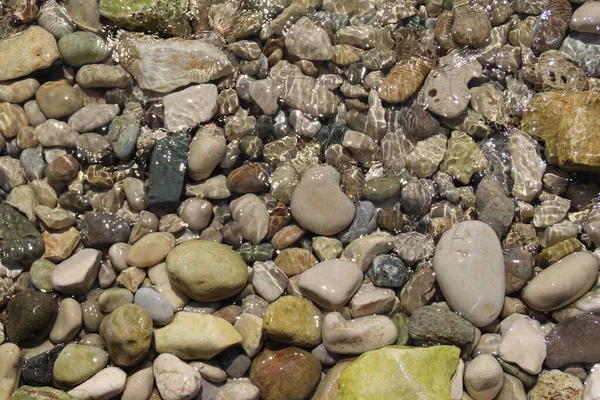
(157, 306)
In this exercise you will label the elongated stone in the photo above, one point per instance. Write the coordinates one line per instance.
(26, 52)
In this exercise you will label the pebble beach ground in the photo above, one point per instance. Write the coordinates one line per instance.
(299, 199)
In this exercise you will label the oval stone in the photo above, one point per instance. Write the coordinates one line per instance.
(469, 266)
(562, 283)
(206, 271)
(575, 340)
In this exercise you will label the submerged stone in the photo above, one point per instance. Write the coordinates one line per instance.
(162, 16)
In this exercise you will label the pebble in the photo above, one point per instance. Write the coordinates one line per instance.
(102, 230)
(286, 373)
(561, 283)
(195, 336)
(13, 121)
(470, 253)
(331, 283)
(30, 316)
(522, 343)
(190, 107)
(362, 251)
(155, 304)
(431, 324)
(18, 91)
(365, 222)
(308, 41)
(41, 273)
(388, 270)
(268, 280)
(210, 370)
(77, 363)
(518, 266)
(49, 93)
(293, 321)
(571, 341)
(252, 215)
(92, 117)
(287, 236)
(60, 244)
(68, 321)
(76, 274)
(294, 260)
(150, 250)
(370, 299)
(80, 48)
(312, 200)
(21, 55)
(358, 335)
(206, 152)
(238, 390)
(105, 385)
(327, 248)
(55, 218)
(10, 363)
(37, 369)
(483, 377)
(112, 298)
(52, 133)
(175, 379)
(159, 277)
(250, 327)
(46, 393)
(101, 75)
(556, 385)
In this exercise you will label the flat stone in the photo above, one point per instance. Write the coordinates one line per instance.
(76, 274)
(370, 299)
(77, 363)
(431, 324)
(571, 142)
(106, 384)
(127, 332)
(22, 53)
(155, 304)
(562, 283)
(189, 107)
(101, 75)
(18, 91)
(206, 271)
(295, 260)
(52, 133)
(409, 372)
(151, 61)
(30, 316)
(285, 374)
(175, 379)
(572, 341)
(268, 280)
(10, 363)
(523, 343)
(151, 249)
(193, 336)
(167, 171)
(469, 268)
(293, 321)
(42, 393)
(89, 118)
(358, 335)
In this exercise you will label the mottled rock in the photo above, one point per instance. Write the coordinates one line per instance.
(22, 53)
(30, 316)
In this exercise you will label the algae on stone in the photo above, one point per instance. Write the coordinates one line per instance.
(463, 157)
(158, 16)
(400, 372)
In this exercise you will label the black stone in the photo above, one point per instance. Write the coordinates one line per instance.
(29, 318)
(103, 230)
(73, 201)
(388, 270)
(167, 172)
(20, 241)
(330, 134)
(37, 370)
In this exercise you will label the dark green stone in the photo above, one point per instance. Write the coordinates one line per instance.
(167, 172)
(527, 379)
(40, 393)
(30, 316)
(438, 325)
(19, 239)
(330, 134)
(260, 252)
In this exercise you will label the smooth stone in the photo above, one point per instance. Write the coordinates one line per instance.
(10, 364)
(319, 205)
(56, 133)
(370, 299)
(68, 321)
(212, 188)
(294, 321)
(40, 393)
(140, 383)
(196, 213)
(234, 363)
(206, 271)
(77, 363)
(469, 268)
(250, 327)
(210, 370)
(35, 116)
(127, 332)
(20, 241)
(13, 120)
(287, 236)
(112, 298)
(206, 152)
(26, 52)
(588, 303)
(92, 117)
(155, 304)
(556, 385)
(437, 325)
(167, 18)
(295, 260)
(238, 390)
(101, 75)
(251, 213)
(23, 199)
(329, 386)
(592, 390)
(80, 48)
(76, 274)
(586, 18)
(175, 379)
(289, 373)
(63, 168)
(40, 273)
(55, 218)
(33, 163)
(193, 336)
(327, 248)
(159, 277)
(18, 91)
(26, 138)
(30, 316)
(362, 251)
(150, 61)
(512, 389)
(483, 377)
(573, 340)
(308, 41)
(102, 230)
(400, 372)
(189, 107)
(268, 280)
(358, 335)
(561, 283)
(150, 249)
(105, 385)
(523, 343)
(58, 99)
(167, 171)
(518, 266)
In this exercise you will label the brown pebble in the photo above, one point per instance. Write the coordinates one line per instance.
(419, 291)
(64, 167)
(229, 313)
(60, 243)
(518, 269)
(294, 261)
(249, 178)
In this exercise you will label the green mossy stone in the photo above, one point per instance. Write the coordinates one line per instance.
(80, 48)
(40, 393)
(77, 363)
(206, 270)
(41, 274)
(127, 332)
(399, 372)
(294, 321)
(30, 317)
(157, 16)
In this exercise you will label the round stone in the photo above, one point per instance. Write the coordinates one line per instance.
(155, 304)
(150, 249)
(30, 316)
(78, 362)
(80, 48)
(58, 99)
(206, 271)
(41, 274)
(127, 332)
(483, 377)
(294, 321)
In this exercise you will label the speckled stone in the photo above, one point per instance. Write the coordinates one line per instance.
(77, 363)
(293, 321)
(388, 270)
(431, 324)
